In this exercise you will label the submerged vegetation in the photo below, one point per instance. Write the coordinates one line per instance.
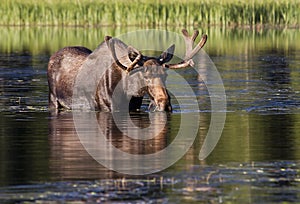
(150, 12)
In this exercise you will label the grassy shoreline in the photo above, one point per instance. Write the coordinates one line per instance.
(150, 13)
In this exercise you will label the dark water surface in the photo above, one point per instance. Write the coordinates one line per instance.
(257, 159)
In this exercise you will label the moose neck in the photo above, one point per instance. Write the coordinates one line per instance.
(114, 91)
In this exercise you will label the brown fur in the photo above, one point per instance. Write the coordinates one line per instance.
(65, 65)
(62, 70)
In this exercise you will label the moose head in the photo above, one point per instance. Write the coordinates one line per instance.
(151, 71)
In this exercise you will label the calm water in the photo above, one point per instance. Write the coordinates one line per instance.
(257, 159)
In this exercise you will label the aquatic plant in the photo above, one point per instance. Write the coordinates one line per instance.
(150, 12)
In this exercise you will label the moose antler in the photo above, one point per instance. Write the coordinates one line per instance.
(111, 45)
(190, 52)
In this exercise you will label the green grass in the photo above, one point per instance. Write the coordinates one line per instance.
(149, 12)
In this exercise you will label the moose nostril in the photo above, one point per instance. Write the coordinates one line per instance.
(160, 105)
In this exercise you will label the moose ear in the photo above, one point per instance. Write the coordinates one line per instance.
(167, 55)
(132, 53)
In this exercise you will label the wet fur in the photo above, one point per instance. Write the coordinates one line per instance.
(65, 64)
(63, 67)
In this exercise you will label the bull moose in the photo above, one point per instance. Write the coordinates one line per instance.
(132, 68)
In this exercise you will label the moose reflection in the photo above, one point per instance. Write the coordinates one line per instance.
(69, 159)
(96, 76)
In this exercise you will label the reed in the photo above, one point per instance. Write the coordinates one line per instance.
(149, 12)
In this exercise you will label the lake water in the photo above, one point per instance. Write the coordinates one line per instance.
(256, 160)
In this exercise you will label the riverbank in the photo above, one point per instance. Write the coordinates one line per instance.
(150, 13)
